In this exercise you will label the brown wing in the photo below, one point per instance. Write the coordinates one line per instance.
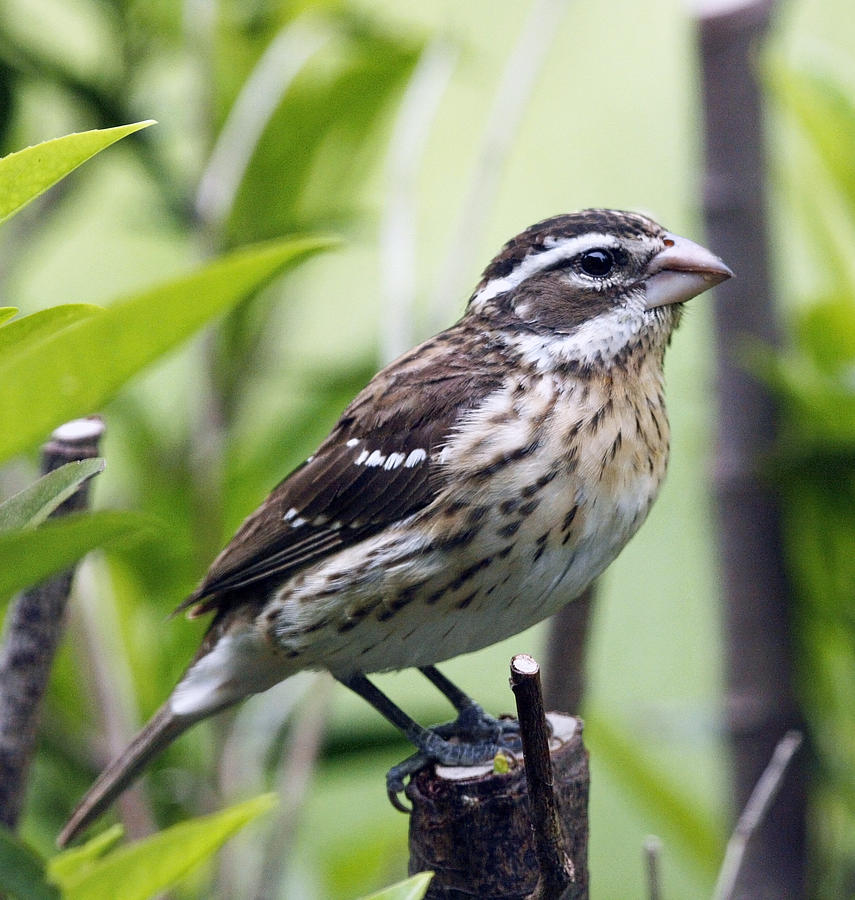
(377, 466)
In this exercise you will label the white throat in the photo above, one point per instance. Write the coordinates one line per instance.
(597, 340)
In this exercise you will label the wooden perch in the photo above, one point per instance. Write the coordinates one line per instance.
(478, 830)
(33, 630)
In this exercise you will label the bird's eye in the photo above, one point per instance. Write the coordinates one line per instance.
(597, 263)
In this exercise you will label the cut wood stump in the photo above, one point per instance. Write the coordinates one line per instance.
(472, 826)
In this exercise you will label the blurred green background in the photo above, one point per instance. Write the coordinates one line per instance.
(397, 118)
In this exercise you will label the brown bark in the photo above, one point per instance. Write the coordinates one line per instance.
(566, 654)
(33, 629)
(760, 698)
(473, 827)
(557, 872)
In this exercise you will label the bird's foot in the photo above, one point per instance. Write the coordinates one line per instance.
(484, 737)
(474, 726)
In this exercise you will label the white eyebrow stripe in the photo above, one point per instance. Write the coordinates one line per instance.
(535, 262)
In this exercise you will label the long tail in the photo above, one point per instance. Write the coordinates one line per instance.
(161, 731)
(234, 660)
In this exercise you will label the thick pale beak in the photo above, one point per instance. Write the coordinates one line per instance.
(681, 271)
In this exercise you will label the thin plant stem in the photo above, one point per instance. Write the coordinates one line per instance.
(511, 99)
(398, 223)
(755, 809)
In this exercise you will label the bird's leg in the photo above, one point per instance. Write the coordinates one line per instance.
(472, 722)
(432, 747)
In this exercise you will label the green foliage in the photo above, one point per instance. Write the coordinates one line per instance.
(27, 331)
(412, 889)
(814, 465)
(144, 869)
(28, 173)
(325, 126)
(75, 369)
(31, 506)
(67, 361)
(22, 870)
(66, 866)
(71, 359)
(29, 556)
(673, 815)
(822, 105)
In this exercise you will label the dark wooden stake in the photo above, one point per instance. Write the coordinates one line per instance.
(760, 695)
(566, 654)
(556, 869)
(33, 630)
(475, 827)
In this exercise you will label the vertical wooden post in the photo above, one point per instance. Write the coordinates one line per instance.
(760, 697)
(33, 629)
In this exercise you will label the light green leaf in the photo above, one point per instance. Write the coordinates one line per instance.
(822, 105)
(28, 557)
(72, 373)
(71, 865)
(31, 506)
(141, 870)
(22, 870)
(826, 330)
(30, 172)
(412, 889)
(41, 324)
(676, 816)
(7, 312)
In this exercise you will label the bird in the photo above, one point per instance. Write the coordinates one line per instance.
(475, 486)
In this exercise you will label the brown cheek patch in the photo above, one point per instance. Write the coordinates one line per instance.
(553, 304)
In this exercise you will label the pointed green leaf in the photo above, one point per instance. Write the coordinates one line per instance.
(141, 870)
(676, 815)
(72, 373)
(31, 506)
(71, 865)
(822, 105)
(41, 324)
(7, 312)
(30, 172)
(412, 889)
(28, 557)
(22, 870)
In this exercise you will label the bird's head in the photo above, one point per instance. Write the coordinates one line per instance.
(595, 284)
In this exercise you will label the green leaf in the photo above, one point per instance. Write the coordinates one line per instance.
(22, 870)
(41, 324)
(325, 126)
(682, 825)
(71, 865)
(75, 371)
(31, 506)
(827, 331)
(141, 870)
(30, 172)
(28, 557)
(7, 312)
(822, 105)
(412, 889)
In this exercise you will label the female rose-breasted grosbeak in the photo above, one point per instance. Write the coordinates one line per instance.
(475, 486)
